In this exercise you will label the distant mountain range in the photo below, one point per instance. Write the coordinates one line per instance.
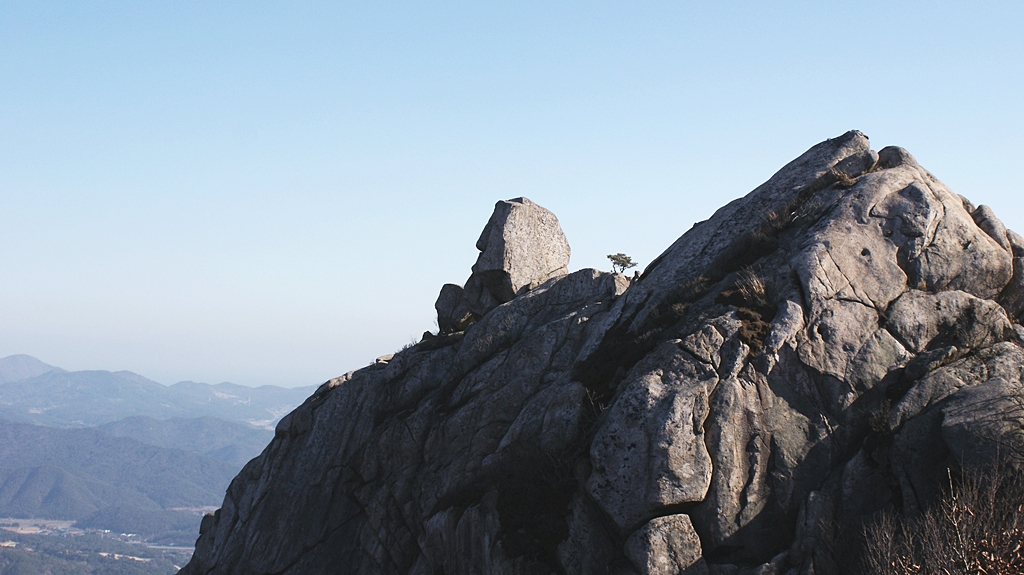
(34, 392)
(230, 442)
(79, 473)
(115, 450)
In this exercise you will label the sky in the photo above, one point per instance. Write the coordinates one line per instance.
(274, 193)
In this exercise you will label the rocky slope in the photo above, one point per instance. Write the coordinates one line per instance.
(818, 350)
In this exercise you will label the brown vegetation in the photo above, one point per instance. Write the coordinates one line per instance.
(976, 527)
(755, 307)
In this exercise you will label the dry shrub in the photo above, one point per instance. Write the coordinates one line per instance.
(842, 181)
(976, 527)
(751, 288)
(754, 306)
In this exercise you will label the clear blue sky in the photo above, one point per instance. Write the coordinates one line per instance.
(275, 192)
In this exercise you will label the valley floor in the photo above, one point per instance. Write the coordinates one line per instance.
(36, 546)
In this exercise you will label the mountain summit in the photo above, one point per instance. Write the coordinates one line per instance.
(21, 366)
(820, 350)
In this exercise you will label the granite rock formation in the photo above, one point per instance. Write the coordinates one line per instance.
(453, 313)
(521, 247)
(821, 349)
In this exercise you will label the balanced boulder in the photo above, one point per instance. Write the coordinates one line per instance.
(521, 247)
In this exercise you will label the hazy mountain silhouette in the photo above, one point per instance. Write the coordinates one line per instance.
(52, 396)
(118, 451)
(230, 442)
(19, 367)
(73, 473)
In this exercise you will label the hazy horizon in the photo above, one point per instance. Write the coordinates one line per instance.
(274, 194)
(166, 384)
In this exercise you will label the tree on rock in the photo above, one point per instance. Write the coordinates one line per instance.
(621, 262)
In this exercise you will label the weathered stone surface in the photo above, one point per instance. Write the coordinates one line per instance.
(388, 452)
(666, 545)
(835, 336)
(822, 349)
(923, 320)
(930, 390)
(865, 488)
(453, 313)
(961, 255)
(740, 451)
(649, 452)
(880, 355)
(521, 247)
(1012, 296)
(990, 224)
(733, 236)
(589, 547)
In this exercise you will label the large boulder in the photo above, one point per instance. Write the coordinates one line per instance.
(521, 247)
(823, 349)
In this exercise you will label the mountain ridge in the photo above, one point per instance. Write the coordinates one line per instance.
(73, 473)
(833, 346)
(230, 442)
(95, 397)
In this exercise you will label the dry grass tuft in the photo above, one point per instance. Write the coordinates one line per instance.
(977, 527)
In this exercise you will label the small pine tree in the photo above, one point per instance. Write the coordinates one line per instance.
(621, 262)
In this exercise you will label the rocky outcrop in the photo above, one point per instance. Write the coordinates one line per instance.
(819, 350)
(521, 247)
(453, 313)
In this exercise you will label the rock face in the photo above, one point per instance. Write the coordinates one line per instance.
(821, 349)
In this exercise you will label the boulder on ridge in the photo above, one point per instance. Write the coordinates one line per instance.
(521, 247)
